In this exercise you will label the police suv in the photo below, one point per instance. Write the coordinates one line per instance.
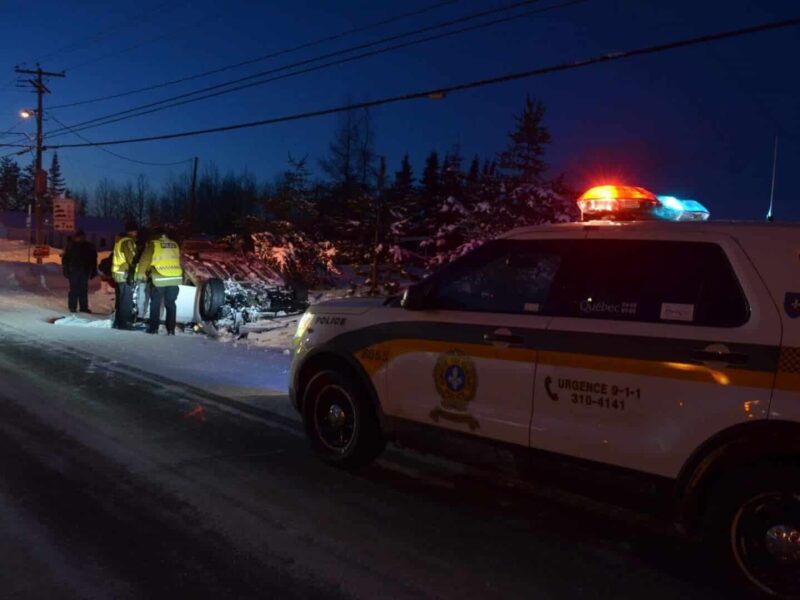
(643, 341)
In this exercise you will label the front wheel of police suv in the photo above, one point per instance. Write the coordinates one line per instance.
(340, 420)
(754, 520)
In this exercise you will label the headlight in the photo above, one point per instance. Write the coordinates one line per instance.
(302, 325)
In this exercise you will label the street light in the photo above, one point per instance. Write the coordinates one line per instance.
(26, 113)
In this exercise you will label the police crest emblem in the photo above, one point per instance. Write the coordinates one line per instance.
(791, 304)
(455, 379)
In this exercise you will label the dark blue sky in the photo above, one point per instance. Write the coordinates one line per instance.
(697, 122)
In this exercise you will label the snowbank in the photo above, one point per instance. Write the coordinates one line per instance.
(17, 251)
(74, 321)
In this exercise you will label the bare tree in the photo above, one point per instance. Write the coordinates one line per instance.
(106, 199)
(351, 154)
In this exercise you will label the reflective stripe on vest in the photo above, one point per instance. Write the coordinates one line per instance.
(119, 264)
(166, 262)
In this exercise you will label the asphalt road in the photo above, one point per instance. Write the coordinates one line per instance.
(115, 484)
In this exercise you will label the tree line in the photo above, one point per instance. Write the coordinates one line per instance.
(353, 210)
(17, 185)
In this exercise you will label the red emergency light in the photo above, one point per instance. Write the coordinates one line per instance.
(616, 201)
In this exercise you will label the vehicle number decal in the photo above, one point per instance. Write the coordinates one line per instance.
(323, 320)
(375, 355)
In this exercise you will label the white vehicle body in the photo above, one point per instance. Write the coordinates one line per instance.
(679, 383)
(201, 304)
(187, 304)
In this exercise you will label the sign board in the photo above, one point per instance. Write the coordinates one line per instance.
(41, 251)
(63, 214)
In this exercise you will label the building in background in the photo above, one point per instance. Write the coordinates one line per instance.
(99, 230)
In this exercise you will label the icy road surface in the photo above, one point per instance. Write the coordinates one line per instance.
(31, 296)
(134, 466)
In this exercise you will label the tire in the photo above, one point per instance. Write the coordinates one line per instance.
(212, 298)
(340, 421)
(753, 521)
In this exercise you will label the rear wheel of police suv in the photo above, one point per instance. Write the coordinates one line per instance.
(340, 420)
(754, 521)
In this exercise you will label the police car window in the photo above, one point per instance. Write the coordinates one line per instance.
(508, 277)
(656, 281)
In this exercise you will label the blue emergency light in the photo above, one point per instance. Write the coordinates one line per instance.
(678, 209)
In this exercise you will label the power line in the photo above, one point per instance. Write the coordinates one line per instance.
(140, 110)
(107, 151)
(12, 130)
(327, 65)
(17, 152)
(330, 38)
(169, 34)
(441, 92)
(132, 20)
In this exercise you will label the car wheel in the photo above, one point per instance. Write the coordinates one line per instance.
(340, 421)
(755, 523)
(212, 298)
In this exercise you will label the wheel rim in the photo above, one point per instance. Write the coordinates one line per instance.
(335, 418)
(207, 303)
(766, 541)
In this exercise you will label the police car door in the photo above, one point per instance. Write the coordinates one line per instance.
(466, 362)
(655, 345)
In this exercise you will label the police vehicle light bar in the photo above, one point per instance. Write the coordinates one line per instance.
(677, 209)
(630, 203)
(616, 202)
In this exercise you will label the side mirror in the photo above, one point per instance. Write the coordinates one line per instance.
(413, 298)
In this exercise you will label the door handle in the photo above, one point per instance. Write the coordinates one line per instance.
(505, 338)
(733, 358)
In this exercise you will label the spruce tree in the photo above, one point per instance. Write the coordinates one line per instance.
(452, 179)
(430, 176)
(9, 184)
(403, 179)
(474, 173)
(523, 159)
(55, 180)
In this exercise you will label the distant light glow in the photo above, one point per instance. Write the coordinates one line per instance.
(25, 114)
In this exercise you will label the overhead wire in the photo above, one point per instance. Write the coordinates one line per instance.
(441, 92)
(170, 33)
(112, 153)
(141, 110)
(12, 130)
(83, 43)
(275, 54)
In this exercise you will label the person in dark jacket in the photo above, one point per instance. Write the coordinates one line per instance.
(79, 264)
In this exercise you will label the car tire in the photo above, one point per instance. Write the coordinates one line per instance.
(753, 524)
(340, 421)
(212, 299)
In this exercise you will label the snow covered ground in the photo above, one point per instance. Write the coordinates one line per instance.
(33, 298)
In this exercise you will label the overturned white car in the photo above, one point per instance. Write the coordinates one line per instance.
(224, 289)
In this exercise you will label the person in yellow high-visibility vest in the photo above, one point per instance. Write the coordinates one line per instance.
(160, 266)
(123, 265)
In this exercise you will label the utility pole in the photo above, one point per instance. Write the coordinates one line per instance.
(40, 182)
(193, 200)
